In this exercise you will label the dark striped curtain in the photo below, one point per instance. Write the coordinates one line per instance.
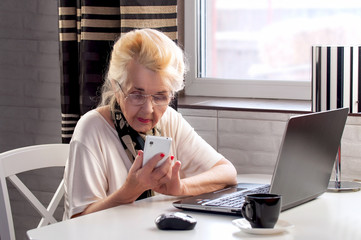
(87, 30)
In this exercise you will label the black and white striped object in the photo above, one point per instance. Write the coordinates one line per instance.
(336, 77)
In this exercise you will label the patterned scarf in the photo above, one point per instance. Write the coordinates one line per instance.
(131, 140)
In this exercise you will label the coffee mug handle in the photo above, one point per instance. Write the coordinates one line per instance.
(248, 211)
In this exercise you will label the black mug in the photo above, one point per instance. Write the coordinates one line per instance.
(262, 210)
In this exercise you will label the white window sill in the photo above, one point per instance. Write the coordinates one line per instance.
(245, 104)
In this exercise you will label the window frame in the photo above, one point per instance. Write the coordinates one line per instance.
(218, 87)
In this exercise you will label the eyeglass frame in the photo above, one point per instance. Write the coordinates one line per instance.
(146, 96)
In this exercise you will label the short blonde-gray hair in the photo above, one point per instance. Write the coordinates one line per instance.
(153, 50)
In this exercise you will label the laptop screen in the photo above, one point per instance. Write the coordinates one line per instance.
(307, 156)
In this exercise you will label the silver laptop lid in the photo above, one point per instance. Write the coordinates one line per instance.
(307, 155)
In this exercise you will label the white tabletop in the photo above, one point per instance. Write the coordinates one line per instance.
(330, 216)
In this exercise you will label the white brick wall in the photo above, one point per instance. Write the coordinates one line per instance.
(351, 149)
(29, 73)
(250, 140)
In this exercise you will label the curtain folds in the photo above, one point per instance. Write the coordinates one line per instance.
(87, 31)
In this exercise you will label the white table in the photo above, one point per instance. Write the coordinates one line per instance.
(331, 216)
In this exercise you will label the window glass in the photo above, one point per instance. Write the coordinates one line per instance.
(271, 39)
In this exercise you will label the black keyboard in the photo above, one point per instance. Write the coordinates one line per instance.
(236, 199)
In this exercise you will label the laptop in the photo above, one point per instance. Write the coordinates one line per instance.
(302, 172)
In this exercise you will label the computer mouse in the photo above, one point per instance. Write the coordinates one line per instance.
(175, 221)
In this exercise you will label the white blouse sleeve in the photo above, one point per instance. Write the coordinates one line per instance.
(195, 154)
(86, 180)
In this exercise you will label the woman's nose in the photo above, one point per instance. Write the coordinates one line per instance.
(148, 105)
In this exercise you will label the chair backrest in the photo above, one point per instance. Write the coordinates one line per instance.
(25, 159)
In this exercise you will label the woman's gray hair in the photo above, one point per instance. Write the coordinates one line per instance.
(153, 50)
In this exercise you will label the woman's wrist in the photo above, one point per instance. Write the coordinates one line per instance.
(183, 188)
(128, 193)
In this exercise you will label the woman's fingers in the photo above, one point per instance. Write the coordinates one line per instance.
(152, 163)
(151, 176)
(138, 161)
(175, 170)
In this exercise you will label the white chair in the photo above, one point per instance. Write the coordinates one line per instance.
(21, 160)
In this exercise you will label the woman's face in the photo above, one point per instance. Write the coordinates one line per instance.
(144, 117)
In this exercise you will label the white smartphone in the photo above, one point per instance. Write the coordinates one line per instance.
(156, 145)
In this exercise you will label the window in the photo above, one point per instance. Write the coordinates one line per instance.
(262, 49)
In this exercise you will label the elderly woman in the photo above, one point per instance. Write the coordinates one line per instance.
(105, 168)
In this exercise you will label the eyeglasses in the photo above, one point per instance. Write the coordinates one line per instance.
(138, 99)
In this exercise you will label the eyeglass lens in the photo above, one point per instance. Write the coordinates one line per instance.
(140, 99)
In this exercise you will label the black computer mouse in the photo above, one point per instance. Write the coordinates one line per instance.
(175, 221)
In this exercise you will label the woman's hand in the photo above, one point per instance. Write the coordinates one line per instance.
(164, 179)
(139, 179)
(149, 176)
(174, 185)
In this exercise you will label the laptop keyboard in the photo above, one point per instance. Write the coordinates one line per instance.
(236, 199)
